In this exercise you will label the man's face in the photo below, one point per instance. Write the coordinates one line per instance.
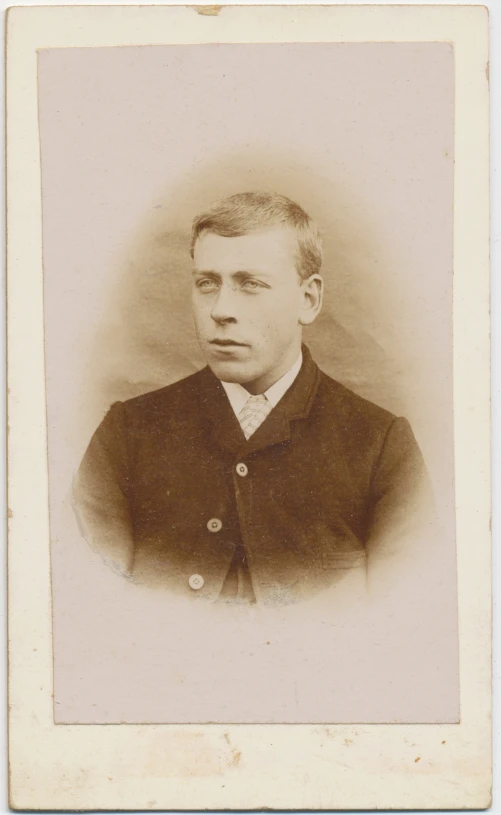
(247, 301)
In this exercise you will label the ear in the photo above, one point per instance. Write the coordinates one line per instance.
(312, 292)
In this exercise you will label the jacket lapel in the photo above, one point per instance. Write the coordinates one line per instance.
(295, 404)
(225, 428)
(222, 425)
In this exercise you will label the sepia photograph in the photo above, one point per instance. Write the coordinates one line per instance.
(247, 282)
(249, 419)
(332, 476)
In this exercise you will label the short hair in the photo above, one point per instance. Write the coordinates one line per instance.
(248, 212)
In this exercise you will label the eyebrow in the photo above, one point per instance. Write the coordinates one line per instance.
(238, 275)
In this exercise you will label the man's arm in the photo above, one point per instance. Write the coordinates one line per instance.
(101, 492)
(401, 523)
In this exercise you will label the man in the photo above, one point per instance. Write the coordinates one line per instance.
(258, 478)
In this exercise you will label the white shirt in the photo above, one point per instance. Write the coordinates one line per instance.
(238, 395)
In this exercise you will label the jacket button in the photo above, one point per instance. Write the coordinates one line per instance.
(242, 469)
(214, 525)
(196, 581)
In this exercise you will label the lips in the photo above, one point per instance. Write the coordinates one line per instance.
(228, 343)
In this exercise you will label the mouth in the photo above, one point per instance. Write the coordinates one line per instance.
(228, 344)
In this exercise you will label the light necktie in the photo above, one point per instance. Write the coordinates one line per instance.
(253, 414)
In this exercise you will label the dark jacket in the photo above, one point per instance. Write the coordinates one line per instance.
(163, 496)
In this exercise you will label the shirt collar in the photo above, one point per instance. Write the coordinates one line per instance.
(238, 395)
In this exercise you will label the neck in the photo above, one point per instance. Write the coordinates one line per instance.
(262, 383)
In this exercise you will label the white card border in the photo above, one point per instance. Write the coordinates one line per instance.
(282, 766)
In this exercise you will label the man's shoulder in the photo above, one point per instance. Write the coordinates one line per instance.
(349, 406)
(182, 392)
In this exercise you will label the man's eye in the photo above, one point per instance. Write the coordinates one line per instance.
(207, 284)
(251, 284)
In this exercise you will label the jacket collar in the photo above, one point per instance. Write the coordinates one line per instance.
(225, 428)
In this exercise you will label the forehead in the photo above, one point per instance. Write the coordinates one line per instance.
(266, 250)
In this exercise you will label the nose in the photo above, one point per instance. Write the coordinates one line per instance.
(224, 307)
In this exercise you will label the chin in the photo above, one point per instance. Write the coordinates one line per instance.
(232, 372)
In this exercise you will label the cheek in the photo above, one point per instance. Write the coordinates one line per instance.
(276, 324)
(200, 308)
(282, 312)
